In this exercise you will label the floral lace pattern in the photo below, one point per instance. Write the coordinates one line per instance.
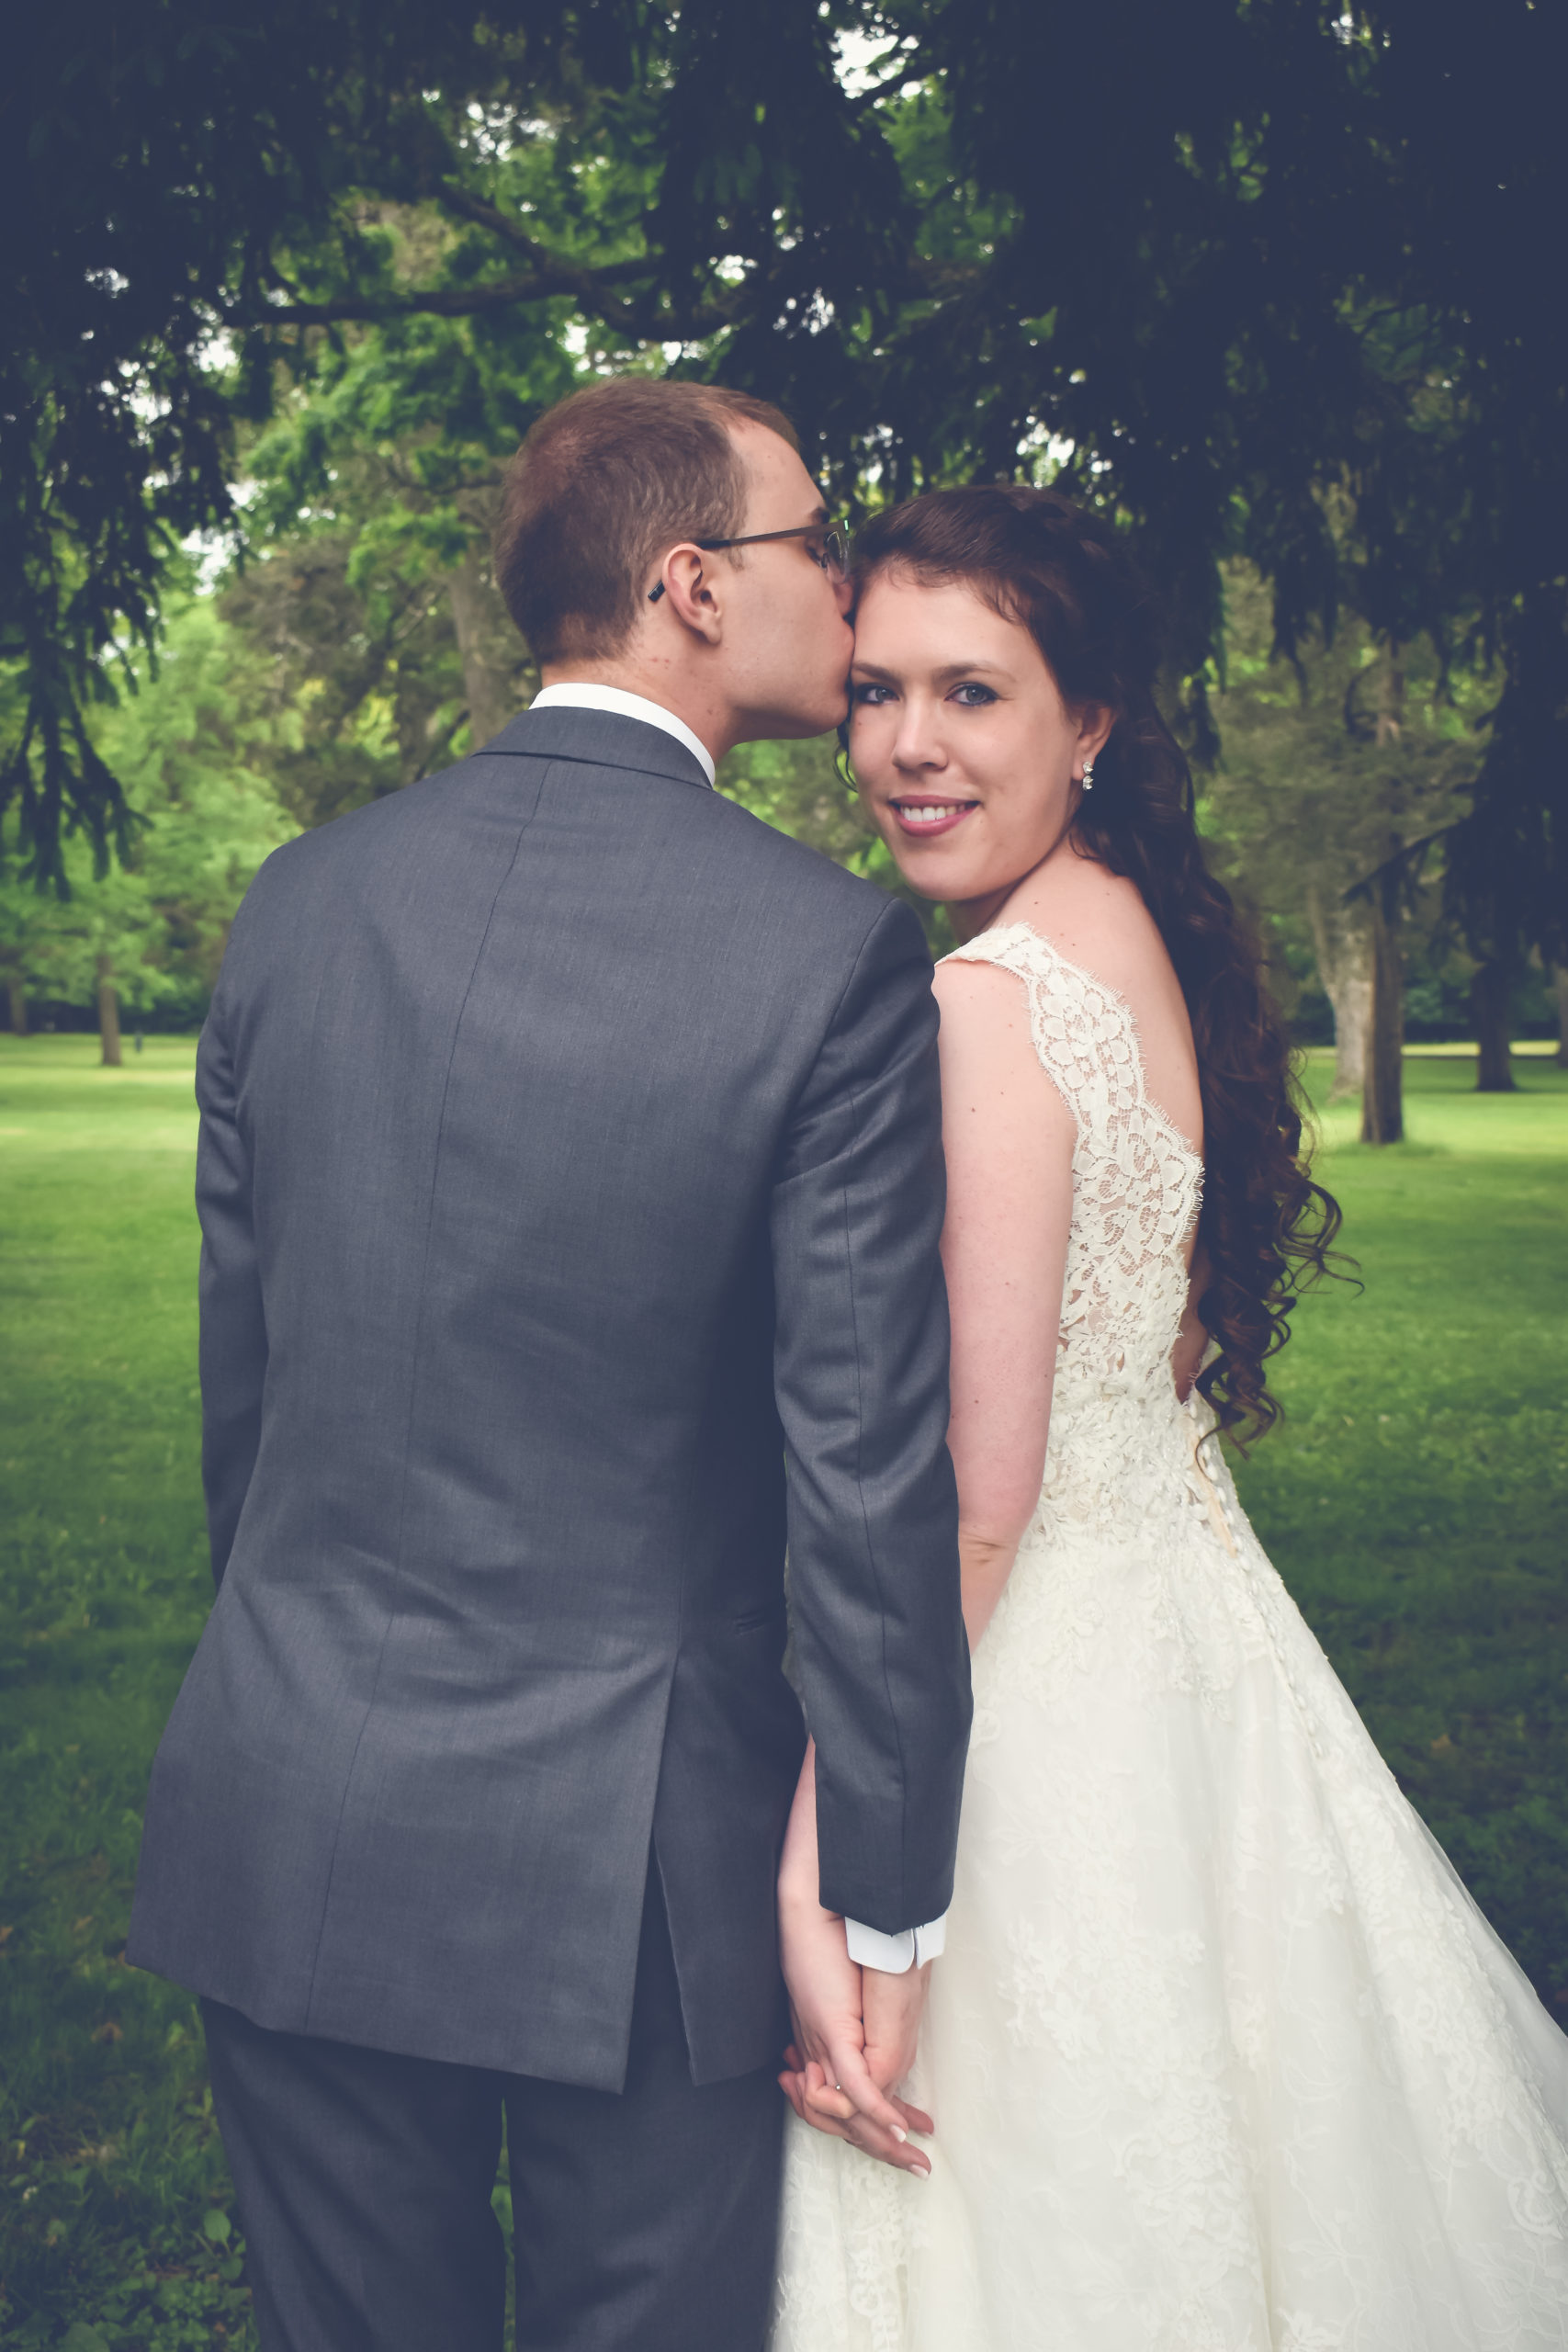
(1222, 2057)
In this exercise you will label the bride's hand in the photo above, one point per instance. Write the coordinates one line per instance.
(808, 2091)
(839, 2077)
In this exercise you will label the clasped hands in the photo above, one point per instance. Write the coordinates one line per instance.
(855, 2029)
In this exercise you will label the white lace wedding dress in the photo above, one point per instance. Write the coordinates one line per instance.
(1221, 2054)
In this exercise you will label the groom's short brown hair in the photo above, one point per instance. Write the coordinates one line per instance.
(605, 483)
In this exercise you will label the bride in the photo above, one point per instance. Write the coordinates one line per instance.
(1220, 2054)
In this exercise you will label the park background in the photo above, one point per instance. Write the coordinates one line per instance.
(1260, 278)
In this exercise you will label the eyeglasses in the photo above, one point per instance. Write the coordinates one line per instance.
(833, 558)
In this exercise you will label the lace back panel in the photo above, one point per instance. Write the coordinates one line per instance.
(1136, 1183)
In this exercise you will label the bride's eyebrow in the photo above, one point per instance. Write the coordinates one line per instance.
(949, 670)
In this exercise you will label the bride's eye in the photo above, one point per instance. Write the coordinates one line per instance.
(873, 695)
(971, 696)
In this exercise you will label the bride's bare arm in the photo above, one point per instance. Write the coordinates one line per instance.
(1008, 1139)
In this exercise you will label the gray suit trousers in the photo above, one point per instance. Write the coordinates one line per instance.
(643, 2222)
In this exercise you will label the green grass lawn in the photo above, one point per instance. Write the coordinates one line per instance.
(1414, 1500)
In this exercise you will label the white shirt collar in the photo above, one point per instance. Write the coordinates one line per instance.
(625, 705)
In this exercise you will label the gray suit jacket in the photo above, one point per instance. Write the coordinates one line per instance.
(570, 1166)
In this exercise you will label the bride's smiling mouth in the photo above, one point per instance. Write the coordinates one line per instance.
(926, 815)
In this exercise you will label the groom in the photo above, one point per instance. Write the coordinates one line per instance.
(570, 1185)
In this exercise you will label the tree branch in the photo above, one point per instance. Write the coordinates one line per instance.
(447, 302)
(585, 280)
(640, 321)
(488, 216)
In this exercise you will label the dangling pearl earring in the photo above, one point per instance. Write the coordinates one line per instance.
(1088, 776)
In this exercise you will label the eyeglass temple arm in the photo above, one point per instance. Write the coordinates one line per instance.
(753, 538)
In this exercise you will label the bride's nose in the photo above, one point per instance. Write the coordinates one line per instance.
(918, 744)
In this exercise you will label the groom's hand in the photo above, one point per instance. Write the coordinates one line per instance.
(841, 2072)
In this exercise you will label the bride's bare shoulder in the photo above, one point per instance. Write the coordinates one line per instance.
(1097, 920)
(992, 1081)
(977, 997)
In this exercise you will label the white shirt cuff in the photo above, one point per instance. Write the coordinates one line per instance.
(895, 1955)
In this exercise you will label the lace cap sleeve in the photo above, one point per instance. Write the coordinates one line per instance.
(1083, 1031)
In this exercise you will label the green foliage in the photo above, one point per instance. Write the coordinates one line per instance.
(195, 745)
(1414, 1500)
(1269, 284)
(108, 932)
(368, 691)
(372, 601)
(375, 483)
(796, 787)
(198, 744)
(161, 165)
(1302, 770)
(1305, 802)
(30, 934)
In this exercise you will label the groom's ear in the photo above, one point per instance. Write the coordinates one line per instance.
(684, 591)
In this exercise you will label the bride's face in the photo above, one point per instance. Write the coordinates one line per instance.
(967, 757)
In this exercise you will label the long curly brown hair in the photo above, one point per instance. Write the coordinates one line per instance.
(1266, 1228)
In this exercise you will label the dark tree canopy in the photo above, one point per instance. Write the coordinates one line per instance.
(1265, 276)
(164, 167)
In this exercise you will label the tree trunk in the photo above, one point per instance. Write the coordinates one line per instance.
(1560, 973)
(488, 646)
(1489, 995)
(1343, 945)
(108, 1013)
(17, 991)
(1383, 1095)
